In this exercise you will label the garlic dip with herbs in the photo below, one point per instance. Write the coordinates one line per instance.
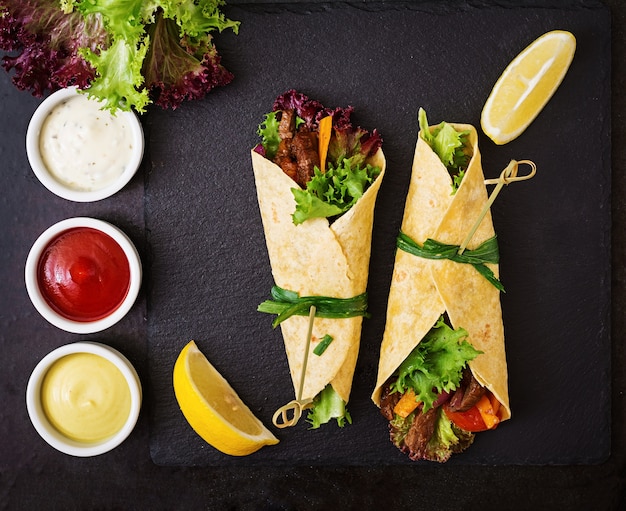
(83, 146)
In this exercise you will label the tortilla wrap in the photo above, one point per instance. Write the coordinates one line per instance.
(423, 289)
(316, 258)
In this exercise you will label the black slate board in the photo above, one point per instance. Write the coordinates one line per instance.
(208, 267)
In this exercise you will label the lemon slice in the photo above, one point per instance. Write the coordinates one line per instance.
(526, 85)
(213, 409)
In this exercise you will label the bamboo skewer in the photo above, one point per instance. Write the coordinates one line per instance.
(507, 176)
(297, 405)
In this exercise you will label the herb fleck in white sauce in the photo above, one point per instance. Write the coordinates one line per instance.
(84, 147)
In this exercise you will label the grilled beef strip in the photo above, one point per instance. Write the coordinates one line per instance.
(388, 401)
(419, 434)
(297, 153)
(304, 149)
(468, 393)
(284, 161)
(287, 124)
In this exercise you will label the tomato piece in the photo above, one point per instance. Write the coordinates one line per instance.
(471, 420)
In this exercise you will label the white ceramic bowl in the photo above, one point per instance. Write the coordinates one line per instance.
(58, 187)
(37, 297)
(51, 435)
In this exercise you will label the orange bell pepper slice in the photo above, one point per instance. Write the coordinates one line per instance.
(488, 411)
(406, 404)
(325, 130)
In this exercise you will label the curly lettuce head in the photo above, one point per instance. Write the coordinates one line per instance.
(128, 53)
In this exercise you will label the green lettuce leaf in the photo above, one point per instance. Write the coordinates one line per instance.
(332, 193)
(197, 19)
(120, 78)
(449, 145)
(122, 18)
(436, 364)
(446, 439)
(309, 205)
(328, 405)
(268, 131)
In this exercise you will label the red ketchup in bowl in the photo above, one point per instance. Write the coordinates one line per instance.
(83, 274)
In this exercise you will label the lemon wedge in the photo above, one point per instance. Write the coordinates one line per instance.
(526, 85)
(213, 409)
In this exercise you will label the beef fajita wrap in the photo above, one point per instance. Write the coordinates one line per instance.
(317, 177)
(442, 372)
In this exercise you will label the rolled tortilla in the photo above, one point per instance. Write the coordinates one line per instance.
(316, 258)
(423, 289)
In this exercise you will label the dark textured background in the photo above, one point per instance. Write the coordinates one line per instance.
(183, 154)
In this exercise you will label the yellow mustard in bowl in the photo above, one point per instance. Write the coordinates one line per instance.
(85, 397)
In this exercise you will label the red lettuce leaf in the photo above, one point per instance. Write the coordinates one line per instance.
(43, 42)
(176, 71)
(349, 141)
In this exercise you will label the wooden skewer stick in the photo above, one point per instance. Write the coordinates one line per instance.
(297, 405)
(507, 176)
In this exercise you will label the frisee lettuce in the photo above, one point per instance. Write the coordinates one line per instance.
(449, 144)
(126, 53)
(328, 405)
(119, 83)
(332, 193)
(436, 364)
(268, 131)
(445, 440)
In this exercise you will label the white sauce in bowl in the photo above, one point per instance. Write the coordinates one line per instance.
(84, 147)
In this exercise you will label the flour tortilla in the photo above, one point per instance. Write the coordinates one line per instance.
(316, 258)
(423, 289)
